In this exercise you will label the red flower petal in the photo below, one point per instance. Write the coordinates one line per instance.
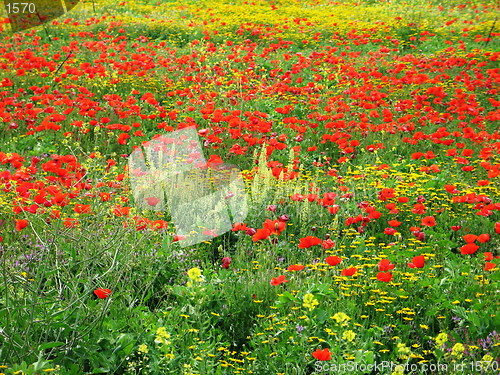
(102, 293)
(333, 260)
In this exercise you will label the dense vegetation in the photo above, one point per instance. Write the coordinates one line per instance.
(368, 136)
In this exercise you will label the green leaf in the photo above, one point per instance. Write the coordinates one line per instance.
(447, 244)
(366, 357)
(321, 315)
(323, 289)
(290, 296)
(50, 345)
(474, 319)
(147, 297)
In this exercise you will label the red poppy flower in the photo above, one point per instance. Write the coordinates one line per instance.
(419, 209)
(309, 241)
(451, 189)
(385, 265)
(327, 244)
(261, 234)
(297, 197)
(456, 227)
(142, 223)
(102, 293)
(374, 215)
(21, 224)
(322, 355)
(239, 226)
(105, 196)
(160, 224)
(469, 238)
(333, 260)
(417, 262)
(483, 238)
(295, 267)
(70, 222)
(497, 228)
(488, 255)
(390, 231)
(470, 248)
(394, 223)
(82, 208)
(489, 266)
(349, 271)
(274, 226)
(384, 276)
(386, 193)
(279, 280)
(226, 261)
(334, 209)
(391, 206)
(121, 211)
(429, 221)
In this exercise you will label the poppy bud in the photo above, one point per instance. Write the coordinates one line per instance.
(284, 218)
(251, 231)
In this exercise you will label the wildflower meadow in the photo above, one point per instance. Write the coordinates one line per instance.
(364, 237)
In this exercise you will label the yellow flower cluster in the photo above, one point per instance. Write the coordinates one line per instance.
(162, 336)
(310, 302)
(441, 339)
(349, 335)
(143, 349)
(457, 350)
(403, 350)
(341, 318)
(195, 275)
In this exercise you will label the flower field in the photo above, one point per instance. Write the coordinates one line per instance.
(368, 137)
